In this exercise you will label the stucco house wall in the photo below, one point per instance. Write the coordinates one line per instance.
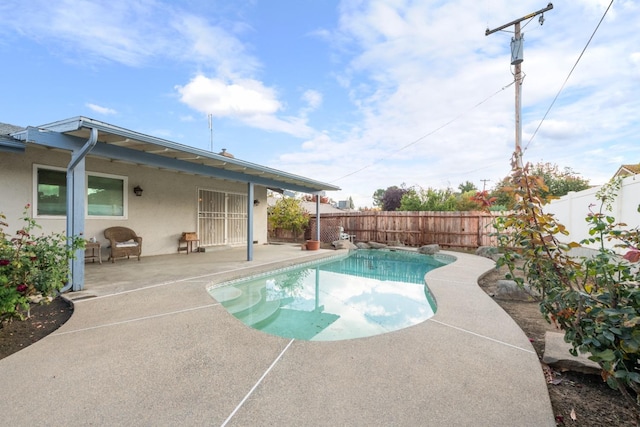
(167, 207)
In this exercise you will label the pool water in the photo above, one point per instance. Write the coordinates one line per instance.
(368, 292)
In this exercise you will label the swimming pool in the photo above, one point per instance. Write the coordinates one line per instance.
(364, 293)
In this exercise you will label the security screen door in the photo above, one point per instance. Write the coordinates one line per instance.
(222, 218)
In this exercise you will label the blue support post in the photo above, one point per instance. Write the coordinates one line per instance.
(76, 200)
(250, 196)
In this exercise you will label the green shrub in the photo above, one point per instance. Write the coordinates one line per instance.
(31, 267)
(595, 299)
(288, 214)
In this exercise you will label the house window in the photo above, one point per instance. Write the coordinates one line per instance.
(51, 199)
(105, 194)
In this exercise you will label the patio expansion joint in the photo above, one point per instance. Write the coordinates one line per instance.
(466, 331)
(255, 386)
(138, 319)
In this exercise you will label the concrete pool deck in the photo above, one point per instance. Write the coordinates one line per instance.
(147, 345)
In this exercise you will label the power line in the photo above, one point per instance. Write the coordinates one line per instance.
(568, 76)
(424, 136)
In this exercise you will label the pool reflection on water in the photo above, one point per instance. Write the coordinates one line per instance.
(366, 293)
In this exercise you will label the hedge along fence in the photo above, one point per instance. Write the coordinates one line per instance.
(448, 229)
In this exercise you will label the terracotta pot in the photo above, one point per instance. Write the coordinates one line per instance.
(313, 245)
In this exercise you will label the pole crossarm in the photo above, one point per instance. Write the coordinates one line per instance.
(531, 15)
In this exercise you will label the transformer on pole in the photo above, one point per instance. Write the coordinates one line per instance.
(517, 56)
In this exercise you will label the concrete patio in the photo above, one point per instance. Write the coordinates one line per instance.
(147, 345)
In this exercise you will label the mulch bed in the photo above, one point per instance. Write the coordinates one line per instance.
(44, 319)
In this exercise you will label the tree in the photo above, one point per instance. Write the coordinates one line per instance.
(351, 205)
(391, 197)
(467, 201)
(428, 200)
(377, 197)
(288, 214)
(558, 183)
(467, 187)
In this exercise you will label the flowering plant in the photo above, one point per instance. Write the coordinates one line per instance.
(32, 268)
(594, 299)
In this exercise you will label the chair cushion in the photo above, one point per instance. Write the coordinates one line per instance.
(127, 244)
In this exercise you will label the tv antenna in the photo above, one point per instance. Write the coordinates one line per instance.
(210, 117)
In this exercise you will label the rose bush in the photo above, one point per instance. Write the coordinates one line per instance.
(32, 267)
(594, 299)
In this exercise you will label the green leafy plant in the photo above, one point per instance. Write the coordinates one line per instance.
(288, 214)
(594, 299)
(32, 268)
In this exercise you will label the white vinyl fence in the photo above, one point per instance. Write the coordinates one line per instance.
(572, 209)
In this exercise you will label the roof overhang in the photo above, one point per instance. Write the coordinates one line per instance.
(119, 144)
(12, 145)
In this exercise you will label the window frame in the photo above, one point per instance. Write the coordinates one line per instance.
(125, 197)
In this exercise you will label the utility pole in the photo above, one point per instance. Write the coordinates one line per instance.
(517, 46)
(484, 183)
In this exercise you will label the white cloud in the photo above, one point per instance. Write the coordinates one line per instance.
(246, 100)
(243, 97)
(100, 109)
(313, 98)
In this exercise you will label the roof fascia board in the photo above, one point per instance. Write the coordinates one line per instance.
(11, 145)
(49, 139)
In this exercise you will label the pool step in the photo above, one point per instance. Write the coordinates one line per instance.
(248, 299)
(225, 294)
(260, 312)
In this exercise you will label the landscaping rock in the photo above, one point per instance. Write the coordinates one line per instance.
(490, 252)
(376, 245)
(556, 355)
(363, 245)
(343, 244)
(429, 249)
(509, 290)
(396, 243)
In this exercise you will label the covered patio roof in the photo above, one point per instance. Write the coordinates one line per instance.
(84, 137)
(119, 144)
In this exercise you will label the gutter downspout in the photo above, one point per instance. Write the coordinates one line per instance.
(76, 194)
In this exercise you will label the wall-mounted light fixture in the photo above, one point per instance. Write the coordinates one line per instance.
(256, 202)
(138, 190)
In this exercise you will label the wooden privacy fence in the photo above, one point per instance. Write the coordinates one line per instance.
(447, 229)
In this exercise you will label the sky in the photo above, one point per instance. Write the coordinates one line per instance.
(362, 94)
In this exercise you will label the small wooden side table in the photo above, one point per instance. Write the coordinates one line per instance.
(93, 251)
(189, 239)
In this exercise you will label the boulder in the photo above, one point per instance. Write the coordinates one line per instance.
(556, 355)
(396, 243)
(343, 244)
(429, 249)
(509, 290)
(376, 245)
(363, 245)
(490, 252)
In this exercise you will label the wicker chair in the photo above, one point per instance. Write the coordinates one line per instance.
(123, 243)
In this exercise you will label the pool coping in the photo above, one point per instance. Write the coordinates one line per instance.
(165, 354)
